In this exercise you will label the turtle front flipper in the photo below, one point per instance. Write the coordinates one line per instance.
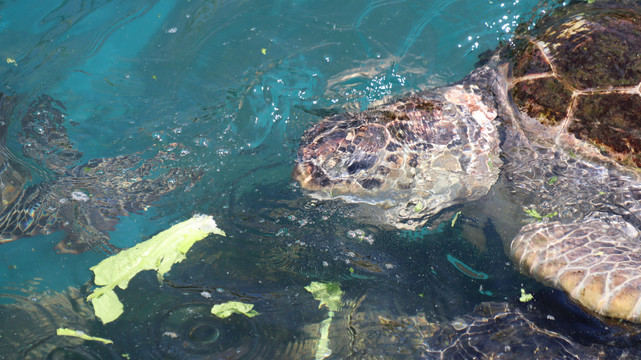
(13, 174)
(84, 200)
(90, 198)
(44, 136)
(595, 261)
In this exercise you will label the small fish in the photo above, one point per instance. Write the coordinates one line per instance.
(466, 269)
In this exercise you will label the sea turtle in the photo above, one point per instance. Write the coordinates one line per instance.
(549, 126)
(494, 330)
(86, 199)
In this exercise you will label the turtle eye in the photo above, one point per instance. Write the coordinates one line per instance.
(359, 165)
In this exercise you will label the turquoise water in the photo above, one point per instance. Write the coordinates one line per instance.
(235, 84)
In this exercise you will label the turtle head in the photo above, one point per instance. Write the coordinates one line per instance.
(407, 160)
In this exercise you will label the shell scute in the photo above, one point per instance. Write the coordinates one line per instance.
(612, 121)
(591, 87)
(544, 99)
(530, 61)
(597, 49)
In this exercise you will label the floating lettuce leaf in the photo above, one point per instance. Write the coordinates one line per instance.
(158, 253)
(329, 294)
(525, 297)
(535, 214)
(107, 306)
(455, 218)
(234, 307)
(322, 348)
(81, 334)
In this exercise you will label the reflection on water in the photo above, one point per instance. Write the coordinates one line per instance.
(492, 331)
(225, 89)
(30, 320)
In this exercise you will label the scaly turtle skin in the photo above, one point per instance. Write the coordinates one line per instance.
(411, 158)
(580, 73)
(576, 84)
(492, 331)
(84, 200)
(567, 101)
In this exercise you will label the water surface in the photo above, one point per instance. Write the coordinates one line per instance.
(233, 85)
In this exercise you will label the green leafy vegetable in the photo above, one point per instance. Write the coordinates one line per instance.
(158, 253)
(234, 307)
(552, 180)
(535, 214)
(525, 297)
(81, 334)
(455, 218)
(329, 294)
(490, 165)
